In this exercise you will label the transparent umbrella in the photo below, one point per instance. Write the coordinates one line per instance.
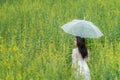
(82, 28)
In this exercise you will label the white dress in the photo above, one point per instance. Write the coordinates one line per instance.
(81, 69)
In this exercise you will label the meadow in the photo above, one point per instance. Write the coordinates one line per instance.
(34, 47)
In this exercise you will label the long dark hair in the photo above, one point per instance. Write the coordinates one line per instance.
(81, 46)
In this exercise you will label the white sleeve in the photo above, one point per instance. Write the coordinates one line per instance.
(74, 58)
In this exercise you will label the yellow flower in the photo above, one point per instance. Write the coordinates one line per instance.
(15, 48)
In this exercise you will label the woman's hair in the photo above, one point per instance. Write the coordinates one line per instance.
(81, 46)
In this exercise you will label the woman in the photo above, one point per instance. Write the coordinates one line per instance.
(79, 60)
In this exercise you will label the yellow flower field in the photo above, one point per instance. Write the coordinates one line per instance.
(34, 47)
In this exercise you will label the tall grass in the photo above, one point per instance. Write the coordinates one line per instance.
(33, 46)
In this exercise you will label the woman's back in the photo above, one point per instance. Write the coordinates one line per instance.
(80, 65)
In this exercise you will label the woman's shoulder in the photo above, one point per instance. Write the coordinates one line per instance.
(75, 51)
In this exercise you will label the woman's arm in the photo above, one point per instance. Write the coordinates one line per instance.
(74, 58)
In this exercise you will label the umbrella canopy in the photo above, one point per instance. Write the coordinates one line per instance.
(82, 28)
